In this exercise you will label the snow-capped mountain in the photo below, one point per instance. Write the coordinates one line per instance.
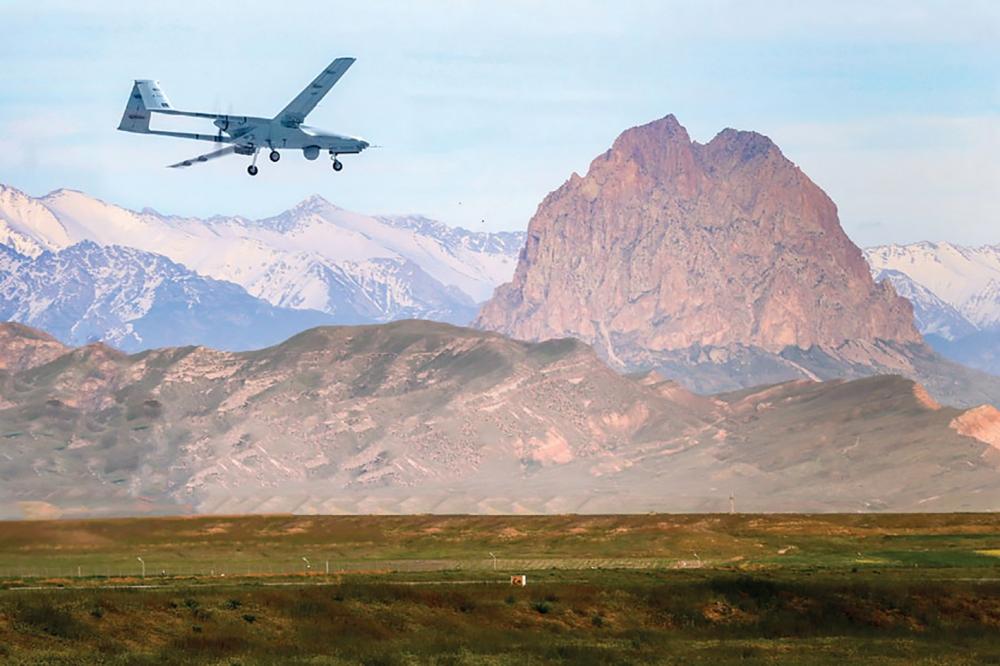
(955, 291)
(313, 256)
(933, 315)
(966, 278)
(137, 300)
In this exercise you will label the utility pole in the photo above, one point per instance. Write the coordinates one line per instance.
(143, 563)
(306, 560)
(328, 567)
(732, 502)
(494, 561)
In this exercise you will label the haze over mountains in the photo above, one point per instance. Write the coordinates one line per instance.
(418, 416)
(720, 264)
(351, 267)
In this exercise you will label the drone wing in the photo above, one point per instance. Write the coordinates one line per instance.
(228, 150)
(297, 110)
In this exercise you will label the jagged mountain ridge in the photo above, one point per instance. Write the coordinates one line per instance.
(933, 316)
(313, 256)
(136, 300)
(720, 263)
(416, 416)
(955, 291)
(966, 278)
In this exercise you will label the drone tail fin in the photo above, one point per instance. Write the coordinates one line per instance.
(145, 98)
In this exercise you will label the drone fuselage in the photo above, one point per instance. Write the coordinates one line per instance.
(247, 135)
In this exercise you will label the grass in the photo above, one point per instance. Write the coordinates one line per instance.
(713, 589)
(277, 544)
(652, 617)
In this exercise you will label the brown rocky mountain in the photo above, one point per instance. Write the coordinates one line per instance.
(422, 417)
(721, 264)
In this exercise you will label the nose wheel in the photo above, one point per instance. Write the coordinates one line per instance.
(275, 156)
(252, 169)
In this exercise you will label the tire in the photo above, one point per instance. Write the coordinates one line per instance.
(252, 170)
(337, 165)
(275, 156)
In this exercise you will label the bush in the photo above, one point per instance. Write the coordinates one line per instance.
(542, 607)
(232, 604)
(51, 620)
(249, 618)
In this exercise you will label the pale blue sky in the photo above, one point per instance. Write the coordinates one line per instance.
(483, 108)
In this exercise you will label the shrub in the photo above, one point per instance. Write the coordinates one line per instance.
(232, 604)
(249, 618)
(50, 619)
(542, 607)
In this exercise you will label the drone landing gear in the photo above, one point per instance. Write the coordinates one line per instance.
(275, 155)
(337, 164)
(252, 169)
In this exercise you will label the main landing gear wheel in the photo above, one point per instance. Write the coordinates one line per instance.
(275, 156)
(252, 170)
(337, 165)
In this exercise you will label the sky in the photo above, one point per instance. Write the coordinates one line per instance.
(480, 109)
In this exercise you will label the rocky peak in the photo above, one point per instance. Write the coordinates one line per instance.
(667, 244)
(653, 143)
(314, 203)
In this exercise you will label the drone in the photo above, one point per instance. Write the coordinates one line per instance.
(248, 135)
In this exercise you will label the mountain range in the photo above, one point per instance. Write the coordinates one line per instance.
(416, 416)
(405, 267)
(686, 321)
(721, 265)
(137, 300)
(955, 291)
(314, 257)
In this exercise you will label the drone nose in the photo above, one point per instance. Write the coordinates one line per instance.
(364, 144)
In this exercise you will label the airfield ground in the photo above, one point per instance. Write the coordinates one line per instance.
(831, 589)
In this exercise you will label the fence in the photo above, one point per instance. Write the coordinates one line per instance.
(151, 566)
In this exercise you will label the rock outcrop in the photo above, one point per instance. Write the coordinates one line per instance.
(721, 264)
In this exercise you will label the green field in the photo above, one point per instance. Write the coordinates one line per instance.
(890, 589)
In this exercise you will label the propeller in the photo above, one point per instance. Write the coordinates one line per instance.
(222, 122)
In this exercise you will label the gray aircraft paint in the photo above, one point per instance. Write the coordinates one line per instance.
(247, 135)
